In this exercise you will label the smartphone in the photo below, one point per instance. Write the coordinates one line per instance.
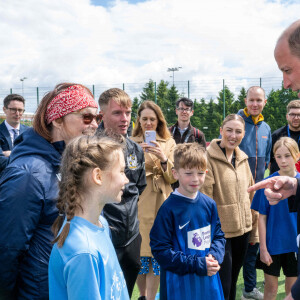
(150, 135)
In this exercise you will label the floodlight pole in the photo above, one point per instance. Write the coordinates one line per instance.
(22, 80)
(173, 70)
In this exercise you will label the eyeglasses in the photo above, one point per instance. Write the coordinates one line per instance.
(15, 110)
(294, 115)
(184, 109)
(88, 118)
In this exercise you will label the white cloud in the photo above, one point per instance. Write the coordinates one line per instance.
(64, 40)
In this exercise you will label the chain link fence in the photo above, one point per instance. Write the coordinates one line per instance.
(204, 89)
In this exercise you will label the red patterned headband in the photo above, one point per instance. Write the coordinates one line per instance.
(69, 100)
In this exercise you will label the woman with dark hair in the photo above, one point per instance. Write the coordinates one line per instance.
(158, 166)
(29, 189)
(227, 181)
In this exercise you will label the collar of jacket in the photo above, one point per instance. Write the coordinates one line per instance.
(189, 126)
(260, 118)
(214, 151)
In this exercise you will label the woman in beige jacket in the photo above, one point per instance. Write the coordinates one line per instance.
(227, 181)
(158, 166)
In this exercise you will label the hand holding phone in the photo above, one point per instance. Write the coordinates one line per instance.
(150, 135)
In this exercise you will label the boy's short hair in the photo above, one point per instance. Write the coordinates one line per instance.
(186, 101)
(118, 95)
(189, 156)
(293, 104)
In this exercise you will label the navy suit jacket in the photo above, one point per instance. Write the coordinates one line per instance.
(6, 144)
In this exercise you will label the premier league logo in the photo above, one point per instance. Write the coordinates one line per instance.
(197, 241)
(200, 238)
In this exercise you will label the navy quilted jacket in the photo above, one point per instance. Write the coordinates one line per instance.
(28, 192)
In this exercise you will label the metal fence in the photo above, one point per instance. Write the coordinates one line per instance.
(204, 89)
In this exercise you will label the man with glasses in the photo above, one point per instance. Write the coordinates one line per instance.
(183, 131)
(292, 130)
(10, 129)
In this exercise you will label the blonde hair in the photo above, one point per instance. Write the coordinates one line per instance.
(118, 95)
(290, 144)
(293, 104)
(233, 117)
(81, 154)
(189, 156)
(162, 128)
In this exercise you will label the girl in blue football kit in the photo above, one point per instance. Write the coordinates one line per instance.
(83, 263)
(277, 226)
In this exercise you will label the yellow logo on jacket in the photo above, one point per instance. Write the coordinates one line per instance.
(132, 161)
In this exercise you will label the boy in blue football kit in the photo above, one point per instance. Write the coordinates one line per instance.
(186, 238)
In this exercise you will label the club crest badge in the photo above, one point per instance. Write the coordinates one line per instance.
(199, 239)
(132, 161)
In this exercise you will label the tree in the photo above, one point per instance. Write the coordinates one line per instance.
(229, 100)
(200, 114)
(170, 114)
(148, 91)
(240, 102)
(134, 108)
(162, 96)
(275, 109)
(212, 121)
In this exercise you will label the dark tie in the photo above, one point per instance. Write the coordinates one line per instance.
(16, 133)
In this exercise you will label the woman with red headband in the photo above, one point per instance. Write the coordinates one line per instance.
(29, 189)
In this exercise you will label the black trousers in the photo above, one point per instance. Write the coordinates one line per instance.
(235, 252)
(129, 259)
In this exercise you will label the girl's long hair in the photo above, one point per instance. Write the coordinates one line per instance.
(81, 154)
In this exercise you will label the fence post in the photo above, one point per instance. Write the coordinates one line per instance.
(10, 90)
(123, 86)
(93, 87)
(155, 92)
(223, 98)
(260, 81)
(37, 96)
(188, 89)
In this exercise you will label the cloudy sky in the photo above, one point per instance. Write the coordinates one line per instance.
(109, 42)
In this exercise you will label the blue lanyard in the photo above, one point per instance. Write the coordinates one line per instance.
(289, 134)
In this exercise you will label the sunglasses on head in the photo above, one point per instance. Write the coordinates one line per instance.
(88, 118)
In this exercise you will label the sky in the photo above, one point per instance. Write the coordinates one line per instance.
(116, 41)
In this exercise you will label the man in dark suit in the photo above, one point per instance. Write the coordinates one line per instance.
(10, 129)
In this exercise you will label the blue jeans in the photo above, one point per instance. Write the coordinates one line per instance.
(249, 271)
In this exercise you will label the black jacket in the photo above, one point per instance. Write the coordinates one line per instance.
(191, 135)
(276, 135)
(123, 217)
